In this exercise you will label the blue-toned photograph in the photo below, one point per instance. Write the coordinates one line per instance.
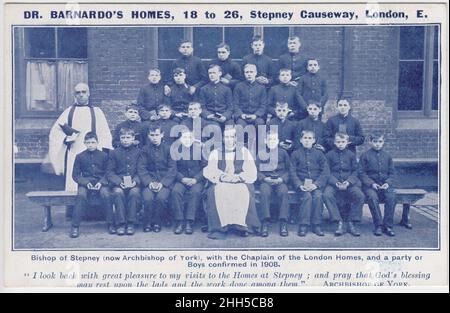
(226, 137)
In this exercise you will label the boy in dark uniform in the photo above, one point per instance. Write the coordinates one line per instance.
(377, 175)
(286, 127)
(284, 92)
(180, 95)
(309, 176)
(216, 98)
(345, 123)
(189, 183)
(124, 181)
(195, 70)
(89, 172)
(164, 121)
(132, 122)
(249, 99)
(231, 71)
(312, 86)
(195, 122)
(264, 64)
(157, 171)
(293, 59)
(313, 122)
(274, 178)
(151, 95)
(343, 192)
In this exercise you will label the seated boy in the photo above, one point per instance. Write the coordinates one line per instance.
(284, 92)
(89, 172)
(124, 181)
(249, 99)
(312, 86)
(164, 121)
(265, 66)
(314, 123)
(343, 191)
(189, 184)
(180, 94)
(195, 122)
(377, 176)
(274, 178)
(132, 122)
(309, 176)
(157, 171)
(286, 127)
(345, 123)
(151, 95)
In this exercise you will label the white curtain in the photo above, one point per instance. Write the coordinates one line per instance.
(70, 73)
(41, 86)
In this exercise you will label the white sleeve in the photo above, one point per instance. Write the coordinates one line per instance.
(212, 172)
(103, 131)
(249, 172)
(56, 146)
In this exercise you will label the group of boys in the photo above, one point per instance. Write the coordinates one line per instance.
(317, 160)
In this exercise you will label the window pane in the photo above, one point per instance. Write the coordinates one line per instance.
(239, 39)
(169, 39)
(275, 39)
(41, 86)
(166, 70)
(410, 86)
(436, 43)
(72, 42)
(41, 42)
(435, 95)
(206, 40)
(70, 73)
(411, 42)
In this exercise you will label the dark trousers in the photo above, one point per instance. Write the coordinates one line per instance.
(126, 201)
(194, 196)
(81, 204)
(311, 207)
(265, 195)
(374, 197)
(155, 204)
(344, 204)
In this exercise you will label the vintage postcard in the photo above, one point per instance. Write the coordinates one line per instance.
(225, 146)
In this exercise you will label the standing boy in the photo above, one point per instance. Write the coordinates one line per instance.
(151, 95)
(345, 123)
(89, 172)
(131, 122)
(274, 178)
(314, 123)
(264, 63)
(309, 175)
(124, 181)
(231, 71)
(293, 59)
(157, 171)
(180, 94)
(377, 175)
(343, 191)
(283, 92)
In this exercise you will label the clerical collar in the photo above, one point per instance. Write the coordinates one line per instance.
(83, 105)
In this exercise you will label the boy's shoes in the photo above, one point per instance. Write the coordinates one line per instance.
(121, 230)
(204, 228)
(156, 228)
(74, 232)
(340, 229)
(178, 228)
(302, 230)
(378, 231)
(283, 229)
(111, 229)
(318, 231)
(130, 230)
(389, 231)
(147, 228)
(405, 224)
(353, 230)
(264, 229)
(217, 235)
(244, 233)
(188, 230)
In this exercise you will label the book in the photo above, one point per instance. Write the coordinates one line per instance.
(308, 183)
(68, 130)
(128, 181)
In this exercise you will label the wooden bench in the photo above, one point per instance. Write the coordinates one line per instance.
(47, 199)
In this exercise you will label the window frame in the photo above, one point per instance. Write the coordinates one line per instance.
(427, 88)
(20, 70)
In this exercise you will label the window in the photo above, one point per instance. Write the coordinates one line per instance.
(206, 39)
(54, 60)
(419, 71)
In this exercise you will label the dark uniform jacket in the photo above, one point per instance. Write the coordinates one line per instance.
(216, 98)
(316, 126)
(139, 132)
(90, 167)
(264, 65)
(296, 62)
(352, 128)
(191, 168)
(230, 69)
(286, 129)
(282, 168)
(249, 98)
(376, 167)
(312, 87)
(196, 74)
(311, 164)
(282, 93)
(149, 98)
(343, 167)
(156, 165)
(180, 98)
(123, 162)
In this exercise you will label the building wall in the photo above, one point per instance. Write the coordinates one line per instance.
(119, 58)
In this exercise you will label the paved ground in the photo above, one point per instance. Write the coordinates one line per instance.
(28, 235)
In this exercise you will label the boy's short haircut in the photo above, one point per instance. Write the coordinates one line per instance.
(294, 38)
(90, 135)
(376, 135)
(185, 41)
(195, 103)
(164, 105)
(307, 131)
(127, 131)
(132, 106)
(153, 127)
(224, 45)
(342, 98)
(257, 38)
(154, 69)
(250, 65)
(285, 70)
(281, 104)
(215, 65)
(312, 59)
(339, 135)
(316, 103)
(178, 70)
